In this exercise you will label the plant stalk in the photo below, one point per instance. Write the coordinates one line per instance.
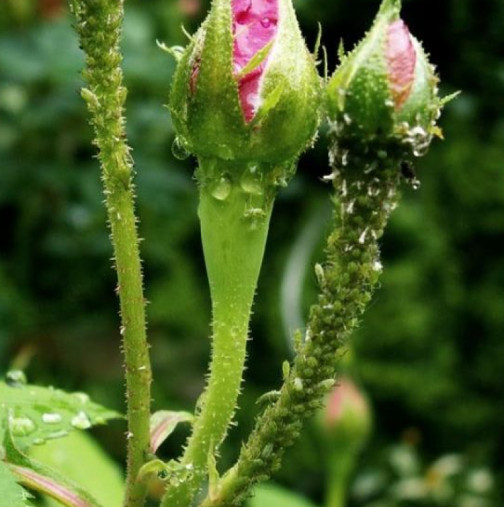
(346, 280)
(340, 468)
(233, 244)
(98, 25)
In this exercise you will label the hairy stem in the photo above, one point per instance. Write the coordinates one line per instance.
(99, 28)
(233, 244)
(347, 280)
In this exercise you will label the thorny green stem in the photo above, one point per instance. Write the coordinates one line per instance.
(233, 243)
(99, 27)
(365, 197)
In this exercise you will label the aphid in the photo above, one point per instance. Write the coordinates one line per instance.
(408, 171)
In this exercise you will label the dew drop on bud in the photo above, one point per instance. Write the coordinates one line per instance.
(266, 22)
(250, 181)
(221, 189)
(178, 150)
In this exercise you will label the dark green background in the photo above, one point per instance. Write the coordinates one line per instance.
(430, 350)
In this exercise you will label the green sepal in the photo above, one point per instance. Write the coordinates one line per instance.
(358, 92)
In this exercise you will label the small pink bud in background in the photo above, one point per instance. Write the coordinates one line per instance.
(345, 396)
(345, 425)
(189, 8)
(346, 419)
(401, 61)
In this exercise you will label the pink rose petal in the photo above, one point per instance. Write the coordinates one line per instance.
(254, 26)
(401, 61)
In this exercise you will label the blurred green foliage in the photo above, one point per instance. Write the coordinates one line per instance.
(430, 349)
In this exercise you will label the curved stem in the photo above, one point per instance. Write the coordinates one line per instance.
(233, 244)
(99, 28)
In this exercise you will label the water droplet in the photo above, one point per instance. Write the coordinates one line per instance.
(57, 434)
(22, 426)
(266, 22)
(81, 421)
(129, 435)
(178, 150)
(221, 188)
(38, 441)
(51, 418)
(82, 397)
(251, 181)
(15, 378)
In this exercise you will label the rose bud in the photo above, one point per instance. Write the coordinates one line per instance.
(346, 419)
(385, 91)
(246, 88)
(344, 425)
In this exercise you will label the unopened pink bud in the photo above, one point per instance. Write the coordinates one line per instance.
(346, 419)
(246, 87)
(401, 61)
(345, 397)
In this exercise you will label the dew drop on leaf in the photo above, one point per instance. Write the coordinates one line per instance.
(81, 421)
(15, 378)
(57, 434)
(22, 426)
(82, 397)
(51, 418)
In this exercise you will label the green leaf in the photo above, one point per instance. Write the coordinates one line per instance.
(93, 469)
(162, 425)
(12, 493)
(271, 495)
(43, 479)
(39, 413)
